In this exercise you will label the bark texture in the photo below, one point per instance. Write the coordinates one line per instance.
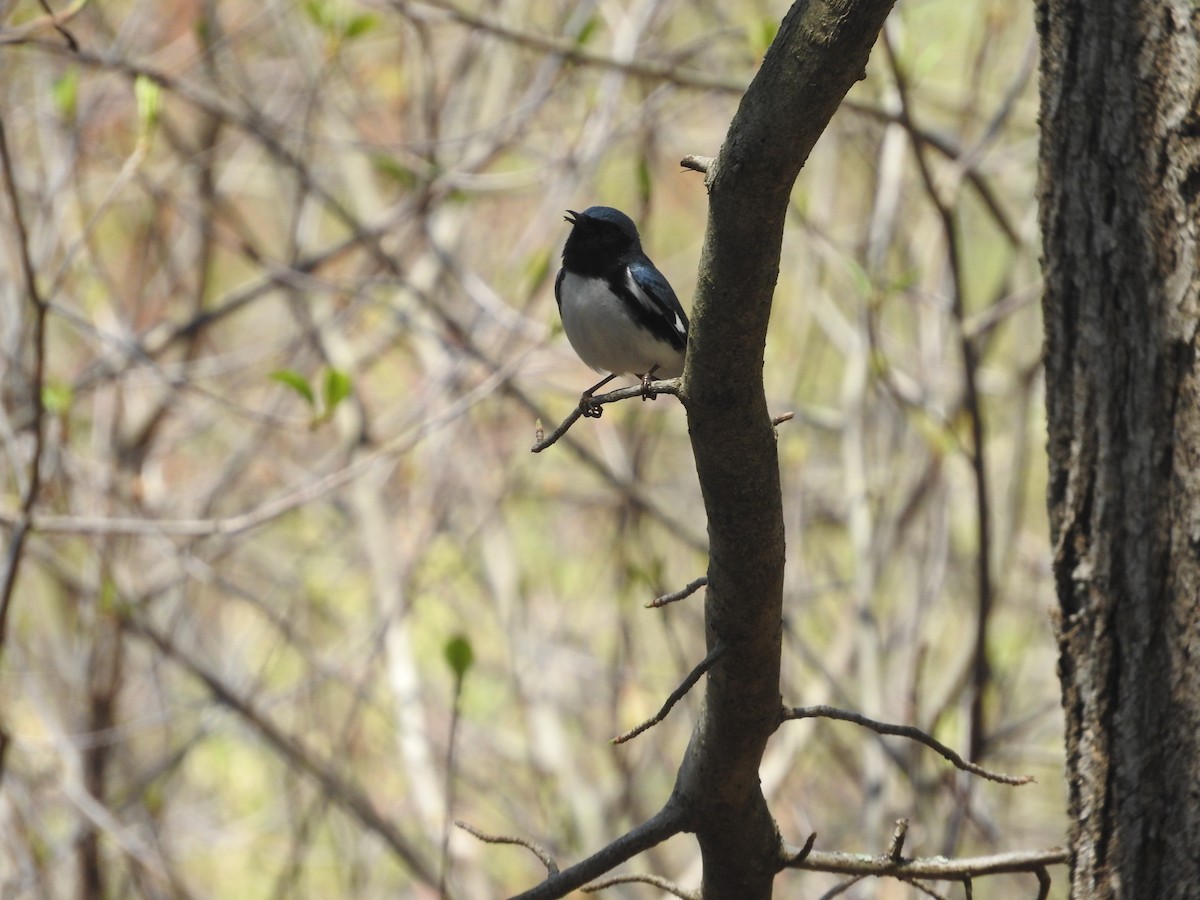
(1120, 207)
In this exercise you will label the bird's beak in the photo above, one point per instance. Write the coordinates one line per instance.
(571, 216)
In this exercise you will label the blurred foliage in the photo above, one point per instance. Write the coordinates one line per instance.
(364, 202)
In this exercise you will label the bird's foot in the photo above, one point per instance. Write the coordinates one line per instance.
(647, 392)
(589, 407)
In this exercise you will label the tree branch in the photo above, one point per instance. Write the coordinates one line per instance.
(668, 821)
(934, 867)
(33, 481)
(909, 731)
(537, 850)
(663, 884)
(682, 594)
(676, 695)
(668, 386)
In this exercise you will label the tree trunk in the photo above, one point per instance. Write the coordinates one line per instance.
(1120, 207)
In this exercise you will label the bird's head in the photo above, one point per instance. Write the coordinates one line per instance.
(602, 229)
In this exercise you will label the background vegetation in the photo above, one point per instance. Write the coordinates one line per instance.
(296, 262)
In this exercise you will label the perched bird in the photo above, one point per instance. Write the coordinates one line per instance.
(619, 312)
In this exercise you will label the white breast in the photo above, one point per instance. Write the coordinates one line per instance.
(606, 337)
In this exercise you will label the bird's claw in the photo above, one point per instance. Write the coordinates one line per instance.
(589, 407)
(647, 393)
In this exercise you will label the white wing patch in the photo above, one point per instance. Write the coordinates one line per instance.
(649, 302)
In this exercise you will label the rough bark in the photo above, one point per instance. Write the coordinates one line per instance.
(1120, 207)
(820, 51)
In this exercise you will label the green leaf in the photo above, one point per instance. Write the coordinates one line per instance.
(395, 170)
(317, 12)
(337, 389)
(644, 181)
(460, 656)
(762, 34)
(358, 25)
(586, 32)
(149, 102)
(57, 397)
(66, 93)
(538, 263)
(297, 383)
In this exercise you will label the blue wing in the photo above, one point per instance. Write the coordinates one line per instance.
(654, 298)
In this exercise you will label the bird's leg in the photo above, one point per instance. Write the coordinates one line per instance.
(648, 394)
(589, 409)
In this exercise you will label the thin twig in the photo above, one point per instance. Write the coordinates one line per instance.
(657, 881)
(668, 821)
(907, 731)
(537, 850)
(681, 594)
(1043, 878)
(670, 386)
(793, 856)
(33, 483)
(927, 891)
(935, 868)
(670, 71)
(841, 887)
(451, 743)
(981, 669)
(895, 848)
(697, 163)
(58, 26)
(676, 695)
(326, 773)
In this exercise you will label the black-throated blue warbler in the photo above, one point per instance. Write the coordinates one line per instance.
(619, 312)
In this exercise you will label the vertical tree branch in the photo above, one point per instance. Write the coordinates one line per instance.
(820, 51)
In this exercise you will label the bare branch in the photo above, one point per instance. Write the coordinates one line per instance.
(681, 594)
(697, 163)
(537, 850)
(33, 483)
(668, 821)
(676, 695)
(669, 386)
(574, 51)
(934, 867)
(981, 668)
(341, 791)
(841, 887)
(657, 881)
(57, 22)
(908, 731)
(1043, 878)
(794, 856)
(896, 845)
